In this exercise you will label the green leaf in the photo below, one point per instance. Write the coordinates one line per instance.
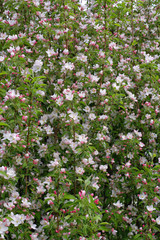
(80, 180)
(3, 173)
(157, 167)
(79, 151)
(3, 73)
(38, 216)
(4, 124)
(104, 223)
(137, 236)
(93, 206)
(103, 228)
(9, 218)
(35, 79)
(134, 42)
(3, 90)
(67, 217)
(87, 181)
(68, 196)
(150, 236)
(117, 24)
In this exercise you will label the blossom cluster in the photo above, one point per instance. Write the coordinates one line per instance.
(79, 120)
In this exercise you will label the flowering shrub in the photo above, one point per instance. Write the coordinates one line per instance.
(79, 120)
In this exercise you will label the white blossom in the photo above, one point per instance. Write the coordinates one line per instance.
(37, 66)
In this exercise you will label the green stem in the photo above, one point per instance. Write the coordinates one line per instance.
(28, 135)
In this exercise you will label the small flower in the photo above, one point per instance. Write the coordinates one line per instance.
(37, 66)
(36, 3)
(101, 54)
(118, 204)
(92, 116)
(114, 232)
(68, 66)
(49, 130)
(68, 93)
(103, 167)
(82, 139)
(25, 203)
(112, 46)
(79, 170)
(51, 52)
(63, 170)
(82, 194)
(102, 92)
(3, 228)
(87, 109)
(81, 57)
(40, 92)
(1, 58)
(158, 220)
(80, 74)
(73, 115)
(150, 208)
(65, 51)
(11, 173)
(142, 196)
(141, 144)
(136, 68)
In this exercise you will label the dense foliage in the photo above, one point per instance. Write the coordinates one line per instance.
(79, 120)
